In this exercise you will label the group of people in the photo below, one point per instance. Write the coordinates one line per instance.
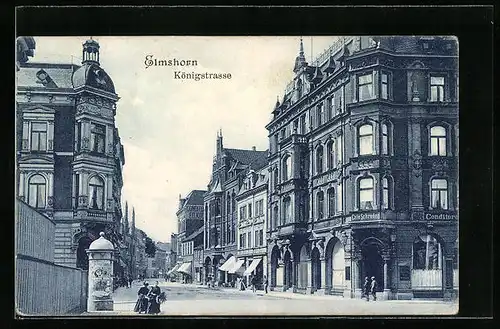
(370, 288)
(240, 283)
(149, 299)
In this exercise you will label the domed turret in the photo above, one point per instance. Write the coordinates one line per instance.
(101, 244)
(90, 52)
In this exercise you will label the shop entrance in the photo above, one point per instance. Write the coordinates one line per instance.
(373, 265)
(316, 269)
(287, 262)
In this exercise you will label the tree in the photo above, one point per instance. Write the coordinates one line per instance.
(150, 247)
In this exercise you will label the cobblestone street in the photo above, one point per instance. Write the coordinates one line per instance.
(194, 300)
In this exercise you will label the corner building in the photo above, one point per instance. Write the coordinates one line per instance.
(364, 170)
(230, 166)
(69, 154)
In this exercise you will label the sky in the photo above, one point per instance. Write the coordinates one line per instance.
(168, 126)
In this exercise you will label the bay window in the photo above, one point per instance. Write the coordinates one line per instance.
(39, 136)
(365, 87)
(366, 195)
(97, 138)
(365, 139)
(96, 192)
(37, 189)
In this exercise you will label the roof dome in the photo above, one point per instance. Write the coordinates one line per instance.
(101, 244)
(93, 75)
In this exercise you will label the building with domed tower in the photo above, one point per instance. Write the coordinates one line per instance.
(363, 164)
(69, 153)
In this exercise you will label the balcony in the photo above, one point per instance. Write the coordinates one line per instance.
(93, 215)
(292, 229)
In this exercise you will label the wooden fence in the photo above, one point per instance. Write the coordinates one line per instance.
(42, 287)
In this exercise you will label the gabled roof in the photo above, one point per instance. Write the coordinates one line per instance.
(256, 159)
(194, 234)
(195, 197)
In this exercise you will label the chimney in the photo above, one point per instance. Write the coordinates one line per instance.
(253, 148)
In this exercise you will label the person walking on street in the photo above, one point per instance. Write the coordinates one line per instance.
(266, 283)
(366, 289)
(154, 302)
(142, 301)
(253, 282)
(373, 288)
(130, 280)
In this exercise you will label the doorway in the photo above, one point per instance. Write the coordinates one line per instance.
(373, 265)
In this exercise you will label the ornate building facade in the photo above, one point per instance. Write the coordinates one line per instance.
(69, 154)
(220, 213)
(364, 170)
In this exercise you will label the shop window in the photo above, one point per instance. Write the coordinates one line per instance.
(37, 191)
(439, 194)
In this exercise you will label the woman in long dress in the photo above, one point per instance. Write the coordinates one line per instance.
(154, 304)
(142, 301)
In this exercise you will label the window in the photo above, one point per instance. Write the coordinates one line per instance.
(275, 178)
(339, 198)
(259, 208)
(287, 167)
(256, 239)
(96, 191)
(243, 212)
(331, 202)
(303, 124)
(97, 138)
(365, 139)
(330, 160)
(287, 210)
(37, 191)
(384, 86)
(438, 141)
(366, 196)
(275, 216)
(385, 139)
(427, 253)
(385, 193)
(261, 233)
(439, 194)
(330, 107)
(39, 136)
(250, 211)
(320, 204)
(249, 239)
(365, 87)
(319, 115)
(319, 160)
(437, 89)
(295, 126)
(339, 150)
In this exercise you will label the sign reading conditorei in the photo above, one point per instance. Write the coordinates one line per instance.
(440, 216)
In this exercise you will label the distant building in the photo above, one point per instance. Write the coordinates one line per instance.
(190, 269)
(220, 214)
(251, 202)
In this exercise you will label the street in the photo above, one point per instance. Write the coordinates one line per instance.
(195, 300)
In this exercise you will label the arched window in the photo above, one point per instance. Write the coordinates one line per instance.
(287, 210)
(320, 204)
(386, 193)
(438, 141)
(439, 193)
(330, 160)
(365, 139)
(331, 202)
(427, 253)
(366, 195)
(96, 193)
(287, 168)
(385, 139)
(37, 191)
(275, 217)
(319, 160)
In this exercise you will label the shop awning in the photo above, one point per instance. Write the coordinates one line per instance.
(185, 268)
(237, 266)
(174, 269)
(228, 264)
(252, 266)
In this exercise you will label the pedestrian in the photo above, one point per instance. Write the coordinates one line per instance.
(154, 299)
(366, 289)
(374, 288)
(266, 284)
(142, 301)
(130, 281)
(253, 281)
